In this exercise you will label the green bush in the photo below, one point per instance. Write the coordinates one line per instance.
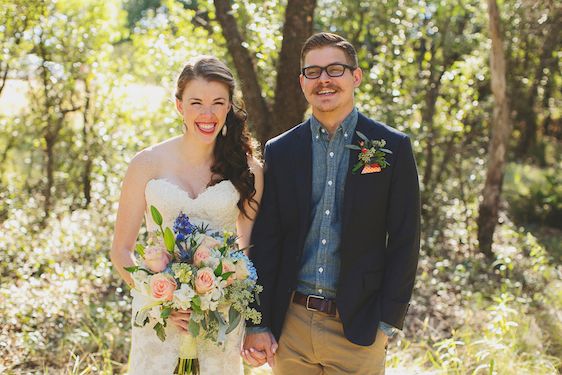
(534, 195)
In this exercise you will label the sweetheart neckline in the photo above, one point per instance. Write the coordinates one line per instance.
(182, 190)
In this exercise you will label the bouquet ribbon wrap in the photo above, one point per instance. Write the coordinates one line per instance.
(188, 347)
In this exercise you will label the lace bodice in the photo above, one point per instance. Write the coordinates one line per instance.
(217, 207)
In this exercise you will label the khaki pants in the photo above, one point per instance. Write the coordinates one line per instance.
(314, 343)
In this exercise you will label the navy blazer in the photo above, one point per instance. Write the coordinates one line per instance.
(380, 236)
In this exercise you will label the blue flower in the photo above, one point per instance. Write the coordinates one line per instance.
(183, 227)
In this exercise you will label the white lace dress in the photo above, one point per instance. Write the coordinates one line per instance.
(216, 206)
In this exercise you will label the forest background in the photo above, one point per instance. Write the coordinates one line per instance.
(84, 85)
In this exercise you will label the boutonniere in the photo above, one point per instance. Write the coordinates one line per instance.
(371, 155)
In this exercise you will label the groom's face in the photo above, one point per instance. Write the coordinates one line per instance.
(329, 94)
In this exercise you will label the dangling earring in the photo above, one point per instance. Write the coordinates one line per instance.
(224, 130)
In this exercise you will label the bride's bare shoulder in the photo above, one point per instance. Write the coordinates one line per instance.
(152, 159)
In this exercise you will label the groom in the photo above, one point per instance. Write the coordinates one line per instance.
(336, 251)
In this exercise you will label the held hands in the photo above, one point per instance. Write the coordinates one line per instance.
(180, 318)
(259, 348)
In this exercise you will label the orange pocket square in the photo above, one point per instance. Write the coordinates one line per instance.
(371, 168)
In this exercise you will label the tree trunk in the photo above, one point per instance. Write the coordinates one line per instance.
(427, 120)
(4, 78)
(86, 173)
(258, 112)
(290, 103)
(547, 60)
(500, 129)
(49, 168)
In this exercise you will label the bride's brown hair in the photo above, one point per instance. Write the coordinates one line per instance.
(232, 151)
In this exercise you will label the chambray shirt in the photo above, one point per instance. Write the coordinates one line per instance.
(320, 264)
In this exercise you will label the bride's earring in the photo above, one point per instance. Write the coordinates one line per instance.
(224, 130)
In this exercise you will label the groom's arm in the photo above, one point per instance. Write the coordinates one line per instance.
(403, 229)
(266, 243)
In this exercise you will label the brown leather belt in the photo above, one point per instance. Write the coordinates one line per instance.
(316, 303)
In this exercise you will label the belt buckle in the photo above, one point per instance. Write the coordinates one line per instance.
(308, 301)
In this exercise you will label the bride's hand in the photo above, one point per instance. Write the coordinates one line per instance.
(180, 318)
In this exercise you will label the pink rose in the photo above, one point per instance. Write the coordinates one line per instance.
(162, 286)
(204, 280)
(228, 266)
(156, 258)
(210, 242)
(201, 254)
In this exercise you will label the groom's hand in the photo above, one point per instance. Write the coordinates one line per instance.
(259, 348)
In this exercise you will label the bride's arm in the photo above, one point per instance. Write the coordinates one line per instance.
(130, 214)
(244, 224)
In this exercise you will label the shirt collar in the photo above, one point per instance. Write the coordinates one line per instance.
(347, 125)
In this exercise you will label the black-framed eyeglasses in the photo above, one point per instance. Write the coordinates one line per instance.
(333, 70)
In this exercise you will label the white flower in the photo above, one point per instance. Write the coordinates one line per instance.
(183, 297)
(142, 282)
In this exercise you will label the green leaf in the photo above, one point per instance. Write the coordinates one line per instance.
(193, 328)
(353, 147)
(196, 305)
(218, 270)
(385, 150)
(156, 215)
(165, 313)
(169, 240)
(362, 136)
(357, 166)
(160, 331)
(219, 317)
(131, 269)
(140, 249)
(226, 275)
(257, 296)
(234, 318)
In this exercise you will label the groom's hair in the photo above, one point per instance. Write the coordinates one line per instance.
(320, 40)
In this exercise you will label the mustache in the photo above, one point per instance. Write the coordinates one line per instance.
(320, 87)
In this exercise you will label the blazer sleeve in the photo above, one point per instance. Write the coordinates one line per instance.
(403, 241)
(266, 241)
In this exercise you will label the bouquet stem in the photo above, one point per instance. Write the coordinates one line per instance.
(188, 363)
(188, 366)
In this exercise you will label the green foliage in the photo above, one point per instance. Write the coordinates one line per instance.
(534, 195)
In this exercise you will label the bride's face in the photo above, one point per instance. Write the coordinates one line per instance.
(204, 106)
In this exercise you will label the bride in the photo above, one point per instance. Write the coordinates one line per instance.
(208, 173)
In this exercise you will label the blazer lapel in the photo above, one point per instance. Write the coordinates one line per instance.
(351, 179)
(303, 175)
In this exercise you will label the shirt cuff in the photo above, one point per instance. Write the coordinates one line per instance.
(256, 329)
(386, 328)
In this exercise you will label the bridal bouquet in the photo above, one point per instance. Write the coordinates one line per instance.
(189, 267)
